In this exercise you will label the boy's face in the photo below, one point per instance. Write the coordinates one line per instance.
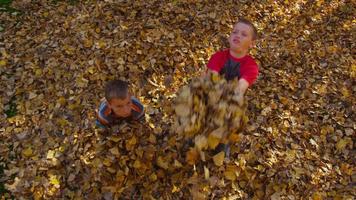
(121, 107)
(241, 37)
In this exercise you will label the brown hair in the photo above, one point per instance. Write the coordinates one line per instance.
(116, 89)
(248, 22)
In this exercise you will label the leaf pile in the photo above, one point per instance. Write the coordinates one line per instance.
(56, 56)
(208, 113)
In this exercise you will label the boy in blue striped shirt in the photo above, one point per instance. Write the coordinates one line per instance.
(118, 105)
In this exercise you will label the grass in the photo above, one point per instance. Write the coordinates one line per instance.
(4, 193)
(5, 6)
(11, 111)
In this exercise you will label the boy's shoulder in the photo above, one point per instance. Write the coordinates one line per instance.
(248, 58)
(224, 53)
(138, 109)
(103, 113)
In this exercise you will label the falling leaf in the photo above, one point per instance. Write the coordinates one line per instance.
(201, 142)
(3, 63)
(182, 110)
(219, 158)
(206, 173)
(192, 156)
(215, 137)
(298, 143)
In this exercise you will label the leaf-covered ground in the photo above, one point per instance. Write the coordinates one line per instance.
(56, 57)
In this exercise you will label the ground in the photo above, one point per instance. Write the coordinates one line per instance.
(56, 57)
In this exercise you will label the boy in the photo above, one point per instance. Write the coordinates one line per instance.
(235, 62)
(118, 105)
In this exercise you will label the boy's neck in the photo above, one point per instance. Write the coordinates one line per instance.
(239, 54)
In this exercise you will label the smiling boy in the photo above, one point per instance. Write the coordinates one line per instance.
(118, 105)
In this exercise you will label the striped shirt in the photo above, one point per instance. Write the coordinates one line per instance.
(106, 117)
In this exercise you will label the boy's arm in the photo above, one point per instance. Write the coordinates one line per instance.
(242, 87)
(249, 75)
(139, 110)
(102, 121)
(204, 73)
(240, 91)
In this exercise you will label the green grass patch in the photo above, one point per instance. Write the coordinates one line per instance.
(5, 6)
(4, 193)
(11, 110)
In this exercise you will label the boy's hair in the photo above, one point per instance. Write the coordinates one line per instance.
(116, 89)
(248, 22)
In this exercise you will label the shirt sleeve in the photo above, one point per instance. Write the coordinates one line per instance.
(138, 109)
(214, 62)
(102, 119)
(250, 72)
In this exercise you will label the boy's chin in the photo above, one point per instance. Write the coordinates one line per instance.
(235, 48)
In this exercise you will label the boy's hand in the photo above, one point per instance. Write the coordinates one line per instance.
(239, 98)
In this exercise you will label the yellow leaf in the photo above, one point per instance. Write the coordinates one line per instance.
(341, 144)
(201, 142)
(215, 77)
(27, 152)
(50, 154)
(38, 195)
(111, 170)
(231, 172)
(161, 163)
(115, 151)
(215, 137)
(107, 162)
(152, 139)
(131, 143)
(219, 158)
(290, 155)
(38, 72)
(317, 196)
(53, 180)
(61, 100)
(91, 70)
(230, 175)
(175, 189)
(3, 63)
(192, 156)
(101, 44)
(182, 110)
(345, 92)
(206, 173)
(153, 177)
(177, 164)
(234, 137)
(213, 141)
(115, 138)
(137, 164)
(88, 43)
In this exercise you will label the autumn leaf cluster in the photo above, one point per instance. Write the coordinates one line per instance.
(56, 56)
